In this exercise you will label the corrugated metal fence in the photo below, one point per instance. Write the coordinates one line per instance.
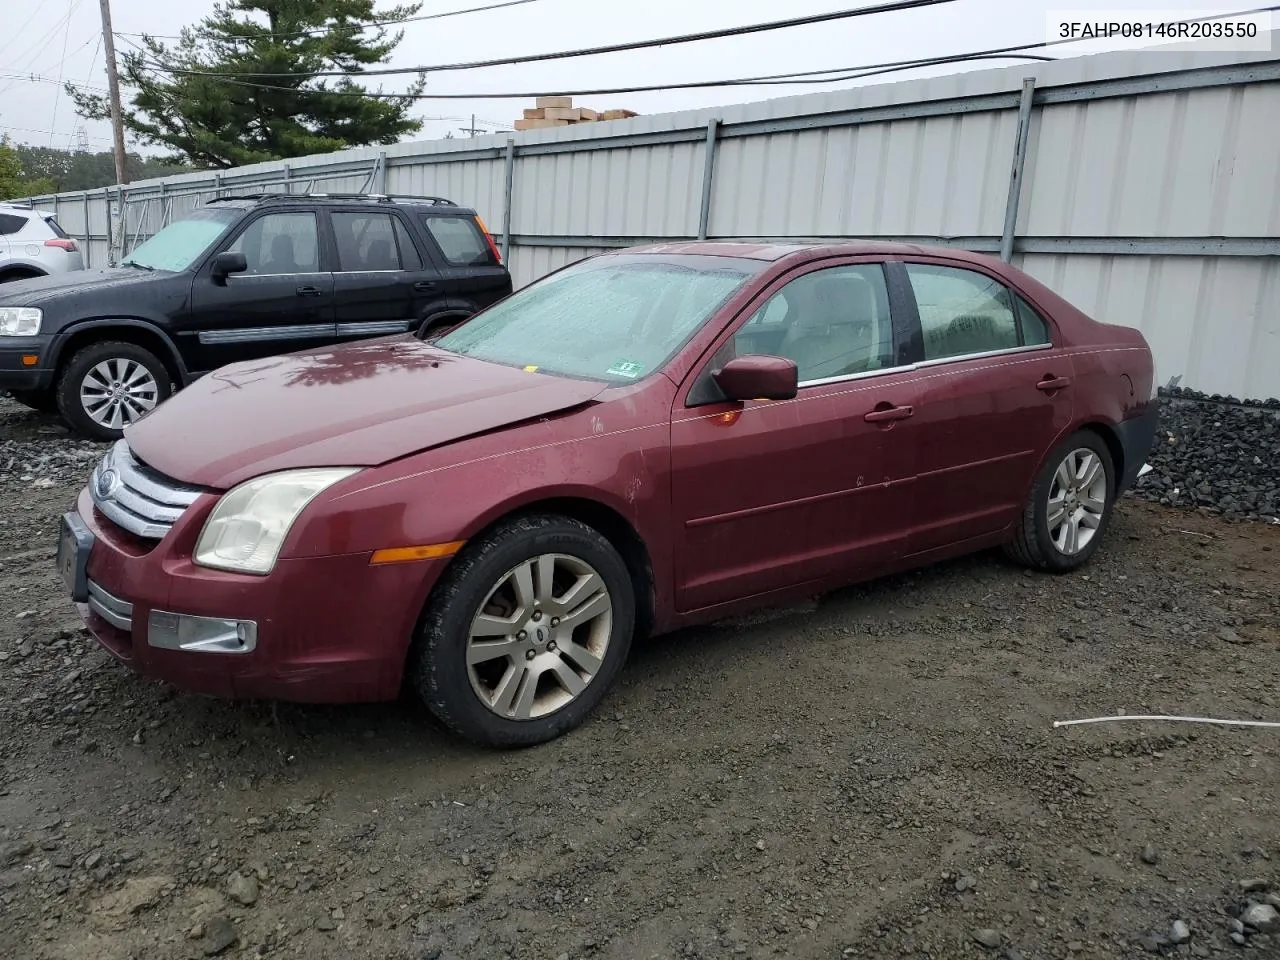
(1145, 187)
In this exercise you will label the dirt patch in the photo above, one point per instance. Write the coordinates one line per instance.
(874, 775)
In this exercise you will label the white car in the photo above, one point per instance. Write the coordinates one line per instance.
(33, 245)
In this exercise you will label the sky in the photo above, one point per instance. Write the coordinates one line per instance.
(56, 40)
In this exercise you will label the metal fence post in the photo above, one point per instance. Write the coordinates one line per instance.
(88, 231)
(286, 173)
(380, 174)
(708, 176)
(1019, 165)
(508, 192)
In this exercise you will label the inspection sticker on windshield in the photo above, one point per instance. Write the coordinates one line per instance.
(625, 368)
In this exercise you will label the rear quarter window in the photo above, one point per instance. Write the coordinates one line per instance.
(460, 240)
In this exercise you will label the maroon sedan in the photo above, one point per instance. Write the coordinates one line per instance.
(642, 441)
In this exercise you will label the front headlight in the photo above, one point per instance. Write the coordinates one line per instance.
(247, 528)
(20, 321)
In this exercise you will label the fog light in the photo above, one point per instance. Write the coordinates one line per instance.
(179, 631)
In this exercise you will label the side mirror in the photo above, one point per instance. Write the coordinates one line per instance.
(758, 378)
(225, 264)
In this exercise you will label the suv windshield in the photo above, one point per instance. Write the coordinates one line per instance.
(611, 318)
(182, 242)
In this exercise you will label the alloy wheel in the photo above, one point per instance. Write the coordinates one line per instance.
(540, 637)
(118, 391)
(1077, 501)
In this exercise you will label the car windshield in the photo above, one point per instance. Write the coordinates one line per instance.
(182, 242)
(613, 318)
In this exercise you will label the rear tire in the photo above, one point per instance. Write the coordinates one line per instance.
(1069, 508)
(41, 401)
(525, 633)
(107, 386)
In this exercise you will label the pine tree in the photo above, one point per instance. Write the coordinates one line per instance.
(220, 121)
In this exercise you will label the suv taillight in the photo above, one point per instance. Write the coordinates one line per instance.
(62, 244)
(488, 237)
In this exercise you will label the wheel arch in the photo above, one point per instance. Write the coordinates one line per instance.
(20, 271)
(609, 523)
(1111, 438)
(138, 332)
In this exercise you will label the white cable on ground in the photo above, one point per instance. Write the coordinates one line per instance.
(1221, 723)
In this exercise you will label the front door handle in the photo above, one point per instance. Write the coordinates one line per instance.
(309, 291)
(425, 286)
(886, 414)
(1053, 383)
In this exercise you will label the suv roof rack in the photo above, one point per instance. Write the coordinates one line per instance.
(378, 197)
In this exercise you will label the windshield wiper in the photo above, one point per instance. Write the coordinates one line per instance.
(140, 266)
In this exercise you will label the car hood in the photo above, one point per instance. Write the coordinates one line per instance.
(40, 290)
(359, 405)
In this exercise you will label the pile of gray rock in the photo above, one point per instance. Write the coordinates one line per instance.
(1216, 453)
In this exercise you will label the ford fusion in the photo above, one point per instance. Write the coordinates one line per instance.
(642, 441)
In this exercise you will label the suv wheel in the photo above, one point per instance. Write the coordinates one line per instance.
(107, 386)
(526, 632)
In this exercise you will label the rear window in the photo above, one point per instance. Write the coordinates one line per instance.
(57, 228)
(9, 224)
(460, 241)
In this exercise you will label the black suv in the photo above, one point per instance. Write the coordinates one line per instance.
(239, 279)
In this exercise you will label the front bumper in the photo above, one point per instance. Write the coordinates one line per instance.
(16, 370)
(324, 629)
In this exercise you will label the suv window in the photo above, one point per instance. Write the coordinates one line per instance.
(460, 241)
(373, 241)
(280, 243)
(833, 323)
(57, 228)
(10, 224)
(962, 312)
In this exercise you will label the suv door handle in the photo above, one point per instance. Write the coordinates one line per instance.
(889, 413)
(309, 291)
(1053, 383)
(425, 286)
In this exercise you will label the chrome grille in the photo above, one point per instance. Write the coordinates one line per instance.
(136, 498)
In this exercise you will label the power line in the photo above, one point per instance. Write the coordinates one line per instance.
(806, 78)
(49, 133)
(811, 77)
(318, 31)
(38, 78)
(66, 35)
(25, 23)
(583, 52)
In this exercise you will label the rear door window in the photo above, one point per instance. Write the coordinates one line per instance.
(460, 241)
(368, 242)
(10, 224)
(962, 312)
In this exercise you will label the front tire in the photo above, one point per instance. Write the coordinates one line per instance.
(107, 386)
(526, 632)
(1069, 508)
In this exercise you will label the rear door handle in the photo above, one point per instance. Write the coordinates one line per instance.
(425, 286)
(309, 291)
(890, 413)
(1053, 383)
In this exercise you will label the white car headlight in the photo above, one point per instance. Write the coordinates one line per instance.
(20, 321)
(247, 528)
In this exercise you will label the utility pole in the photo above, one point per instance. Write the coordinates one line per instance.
(113, 91)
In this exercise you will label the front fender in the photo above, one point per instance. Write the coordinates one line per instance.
(104, 325)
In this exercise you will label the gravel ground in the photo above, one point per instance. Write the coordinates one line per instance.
(874, 774)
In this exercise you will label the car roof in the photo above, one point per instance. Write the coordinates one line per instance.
(252, 200)
(774, 250)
